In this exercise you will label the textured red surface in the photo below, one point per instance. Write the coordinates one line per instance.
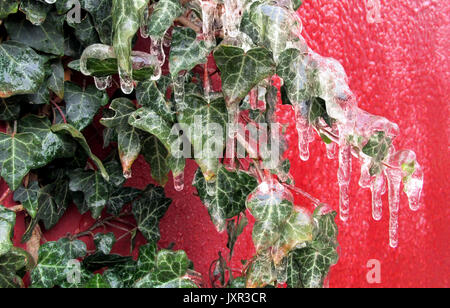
(398, 68)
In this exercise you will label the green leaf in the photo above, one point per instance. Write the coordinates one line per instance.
(121, 275)
(51, 145)
(120, 197)
(241, 71)
(7, 222)
(315, 265)
(205, 123)
(17, 157)
(47, 37)
(97, 282)
(227, 195)
(100, 11)
(249, 28)
(56, 80)
(156, 155)
(149, 209)
(115, 173)
(151, 94)
(69, 129)
(163, 16)
(36, 11)
(51, 266)
(28, 197)
(104, 242)
(186, 51)
(378, 146)
(318, 109)
(261, 271)
(94, 187)
(82, 105)
(296, 4)
(126, 17)
(74, 249)
(326, 232)
(293, 271)
(171, 266)
(85, 31)
(147, 259)
(8, 7)
(9, 109)
(21, 69)
(11, 263)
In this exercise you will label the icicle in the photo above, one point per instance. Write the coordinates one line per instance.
(377, 187)
(208, 13)
(344, 174)
(178, 181)
(413, 187)
(331, 150)
(303, 129)
(126, 82)
(178, 89)
(50, 1)
(144, 23)
(103, 83)
(254, 98)
(394, 178)
(232, 17)
(157, 51)
(365, 180)
(96, 51)
(233, 119)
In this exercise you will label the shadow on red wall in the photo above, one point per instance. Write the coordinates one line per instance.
(398, 68)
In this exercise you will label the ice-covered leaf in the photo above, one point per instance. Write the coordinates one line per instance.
(261, 271)
(149, 209)
(7, 222)
(35, 11)
(8, 7)
(94, 187)
(151, 94)
(315, 265)
(100, 11)
(241, 71)
(206, 124)
(74, 249)
(378, 146)
(85, 31)
(104, 242)
(186, 51)
(164, 13)
(69, 129)
(51, 266)
(326, 231)
(28, 197)
(47, 37)
(126, 17)
(11, 264)
(21, 69)
(293, 271)
(227, 195)
(121, 275)
(17, 157)
(157, 156)
(82, 105)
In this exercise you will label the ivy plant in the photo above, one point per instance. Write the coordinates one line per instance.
(68, 68)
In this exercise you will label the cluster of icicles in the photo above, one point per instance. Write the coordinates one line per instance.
(351, 122)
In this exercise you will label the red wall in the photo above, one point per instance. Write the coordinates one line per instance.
(398, 68)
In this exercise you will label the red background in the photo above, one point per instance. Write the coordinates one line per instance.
(398, 68)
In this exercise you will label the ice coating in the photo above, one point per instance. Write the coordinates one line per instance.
(208, 16)
(344, 176)
(102, 83)
(304, 130)
(179, 92)
(178, 181)
(50, 1)
(157, 51)
(232, 17)
(394, 178)
(254, 98)
(144, 23)
(377, 188)
(96, 51)
(126, 82)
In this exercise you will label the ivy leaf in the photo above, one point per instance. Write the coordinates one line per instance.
(51, 266)
(104, 242)
(115, 173)
(21, 69)
(36, 11)
(326, 232)
(261, 271)
(126, 18)
(297, 231)
(171, 266)
(186, 51)
(51, 145)
(121, 275)
(120, 197)
(378, 146)
(67, 128)
(293, 271)
(296, 4)
(97, 282)
(226, 198)
(85, 31)
(100, 11)
(147, 259)
(47, 37)
(8, 7)
(56, 80)
(74, 249)
(7, 222)
(11, 263)
(28, 197)
(82, 105)
(241, 71)
(9, 109)
(53, 201)
(149, 121)
(156, 155)
(249, 28)
(149, 209)
(151, 94)
(163, 16)
(94, 187)
(17, 157)
(315, 265)
(205, 123)
(318, 109)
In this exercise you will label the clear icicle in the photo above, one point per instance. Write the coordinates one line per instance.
(178, 181)
(413, 188)
(208, 13)
(144, 23)
(365, 180)
(331, 150)
(126, 82)
(102, 83)
(96, 51)
(303, 129)
(344, 174)
(377, 187)
(157, 50)
(394, 178)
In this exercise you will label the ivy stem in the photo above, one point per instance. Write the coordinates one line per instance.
(126, 234)
(96, 225)
(60, 111)
(300, 191)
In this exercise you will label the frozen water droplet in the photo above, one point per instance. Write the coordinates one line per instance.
(365, 179)
(178, 181)
(103, 83)
(211, 188)
(208, 14)
(394, 178)
(377, 186)
(157, 50)
(126, 82)
(127, 174)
